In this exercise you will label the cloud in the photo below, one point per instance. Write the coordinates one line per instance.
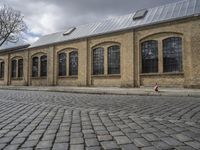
(48, 16)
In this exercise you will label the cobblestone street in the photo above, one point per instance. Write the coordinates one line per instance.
(61, 121)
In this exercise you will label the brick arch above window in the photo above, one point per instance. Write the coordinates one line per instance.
(159, 36)
(105, 44)
(39, 54)
(67, 50)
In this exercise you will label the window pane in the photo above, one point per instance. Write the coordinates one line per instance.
(172, 53)
(73, 63)
(114, 60)
(43, 66)
(98, 61)
(62, 64)
(20, 68)
(35, 67)
(14, 68)
(149, 57)
(2, 70)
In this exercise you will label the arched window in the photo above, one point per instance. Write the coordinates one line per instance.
(172, 53)
(98, 61)
(43, 66)
(35, 62)
(20, 68)
(1, 69)
(114, 60)
(14, 69)
(149, 56)
(73, 63)
(62, 64)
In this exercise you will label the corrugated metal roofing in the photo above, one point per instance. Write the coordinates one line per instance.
(173, 11)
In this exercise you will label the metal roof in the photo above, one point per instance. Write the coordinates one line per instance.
(169, 12)
(15, 48)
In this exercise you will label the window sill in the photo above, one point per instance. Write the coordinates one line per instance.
(160, 74)
(38, 77)
(64, 77)
(17, 78)
(107, 76)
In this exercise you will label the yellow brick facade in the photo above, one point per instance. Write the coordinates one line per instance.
(129, 42)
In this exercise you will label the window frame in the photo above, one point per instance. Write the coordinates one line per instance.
(101, 59)
(70, 67)
(154, 69)
(109, 59)
(178, 68)
(43, 66)
(2, 63)
(67, 51)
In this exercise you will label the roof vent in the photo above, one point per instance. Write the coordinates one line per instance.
(140, 14)
(69, 31)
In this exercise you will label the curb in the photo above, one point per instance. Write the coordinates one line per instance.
(78, 91)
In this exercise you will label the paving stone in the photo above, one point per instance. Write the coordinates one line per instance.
(122, 140)
(77, 147)
(129, 147)
(104, 138)
(76, 141)
(44, 144)
(171, 141)
(150, 137)
(60, 146)
(12, 147)
(184, 148)
(194, 144)
(93, 148)
(141, 142)
(162, 145)
(18, 140)
(62, 139)
(91, 142)
(29, 144)
(182, 137)
(109, 145)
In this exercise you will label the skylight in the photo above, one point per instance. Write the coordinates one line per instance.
(69, 31)
(140, 14)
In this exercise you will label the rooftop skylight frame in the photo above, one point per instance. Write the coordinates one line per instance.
(69, 31)
(140, 14)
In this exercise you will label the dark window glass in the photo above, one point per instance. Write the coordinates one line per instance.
(20, 68)
(114, 60)
(98, 61)
(35, 63)
(149, 56)
(43, 66)
(172, 53)
(73, 63)
(14, 68)
(2, 70)
(62, 64)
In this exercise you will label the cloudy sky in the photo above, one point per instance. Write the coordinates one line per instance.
(48, 16)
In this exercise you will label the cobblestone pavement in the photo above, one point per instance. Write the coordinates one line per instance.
(59, 121)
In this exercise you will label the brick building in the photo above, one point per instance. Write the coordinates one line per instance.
(159, 44)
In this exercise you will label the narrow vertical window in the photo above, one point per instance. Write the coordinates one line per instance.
(149, 56)
(172, 53)
(43, 66)
(62, 64)
(2, 70)
(73, 63)
(98, 61)
(114, 60)
(14, 69)
(20, 68)
(35, 63)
